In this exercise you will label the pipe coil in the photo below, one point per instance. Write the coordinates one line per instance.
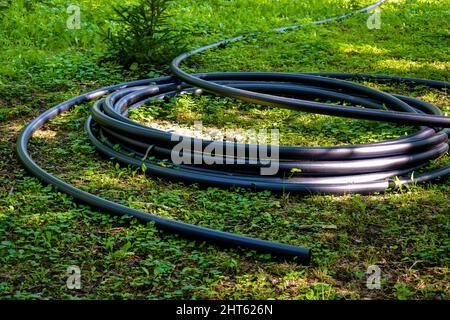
(364, 168)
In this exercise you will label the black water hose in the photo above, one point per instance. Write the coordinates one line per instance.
(364, 168)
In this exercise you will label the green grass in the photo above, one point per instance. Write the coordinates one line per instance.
(43, 231)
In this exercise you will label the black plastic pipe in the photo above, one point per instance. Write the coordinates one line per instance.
(364, 168)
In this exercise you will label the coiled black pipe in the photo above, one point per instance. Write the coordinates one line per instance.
(362, 168)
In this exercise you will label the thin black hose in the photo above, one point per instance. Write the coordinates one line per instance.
(364, 168)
